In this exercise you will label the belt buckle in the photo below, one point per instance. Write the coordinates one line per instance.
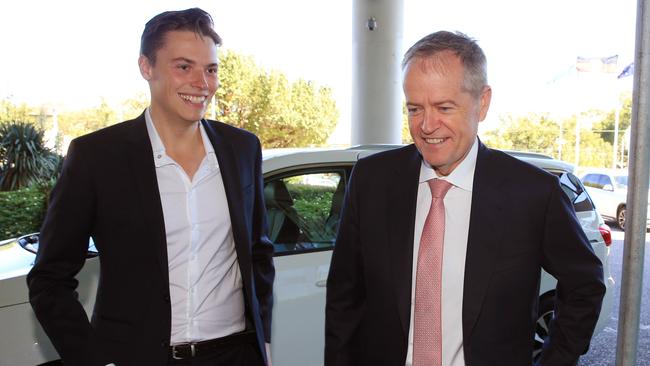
(175, 351)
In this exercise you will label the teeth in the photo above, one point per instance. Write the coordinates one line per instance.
(434, 141)
(192, 98)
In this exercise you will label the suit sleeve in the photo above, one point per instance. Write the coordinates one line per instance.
(569, 257)
(63, 244)
(345, 303)
(262, 251)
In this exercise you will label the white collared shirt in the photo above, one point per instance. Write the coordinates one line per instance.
(458, 204)
(205, 283)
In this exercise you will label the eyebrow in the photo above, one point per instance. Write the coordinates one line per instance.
(187, 60)
(192, 62)
(450, 101)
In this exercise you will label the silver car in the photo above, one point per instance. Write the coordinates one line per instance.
(608, 190)
(304, 190)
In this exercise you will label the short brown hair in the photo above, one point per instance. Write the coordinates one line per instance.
(194, 19)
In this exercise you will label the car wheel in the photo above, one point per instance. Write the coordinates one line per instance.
(545, 314)
(620, 217)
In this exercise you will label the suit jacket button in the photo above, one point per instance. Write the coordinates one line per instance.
(166, 298)
(164, 344)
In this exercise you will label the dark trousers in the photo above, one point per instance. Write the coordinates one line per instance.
(245, 354)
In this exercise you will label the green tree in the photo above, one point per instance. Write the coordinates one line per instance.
(133, 107)
(24, 159)
(10, 112)
(539, 133)
(534, 132)
(606, 126)
(81, 122)
(238, 79)
(280, 113)
(594, 151)
(406, 132)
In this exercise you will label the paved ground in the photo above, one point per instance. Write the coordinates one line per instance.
(603, 346)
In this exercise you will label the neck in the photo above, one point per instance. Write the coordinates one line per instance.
(175, 133)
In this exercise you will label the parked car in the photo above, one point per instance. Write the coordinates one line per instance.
(608, 190)
(304, 191)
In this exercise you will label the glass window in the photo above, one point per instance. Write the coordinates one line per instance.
(621, 181)
(303, 210)
(605, 180)
(576, 192)
(591, 180)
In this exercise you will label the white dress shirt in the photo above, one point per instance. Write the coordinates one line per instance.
(205, 282)
(458, 203)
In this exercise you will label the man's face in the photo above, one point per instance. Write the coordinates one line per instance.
(184, 77)
(443, 117)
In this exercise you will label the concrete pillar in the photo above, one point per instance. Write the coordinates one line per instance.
(376, 73)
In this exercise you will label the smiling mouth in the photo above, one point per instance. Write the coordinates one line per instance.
(193, 98)
(434, 141)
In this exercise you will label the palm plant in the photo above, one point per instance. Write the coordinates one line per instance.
(24, 159)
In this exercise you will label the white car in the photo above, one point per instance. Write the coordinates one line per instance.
(608, 190)
(304, 190)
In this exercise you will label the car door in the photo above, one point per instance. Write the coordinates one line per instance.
(303, 209)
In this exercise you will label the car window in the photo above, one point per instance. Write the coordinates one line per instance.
(575, 191)
(591, 180)
(303, 210)
(621, 181)
(605, 180)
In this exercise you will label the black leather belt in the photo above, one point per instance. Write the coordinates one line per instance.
(188, 350)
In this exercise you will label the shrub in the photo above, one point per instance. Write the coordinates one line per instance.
(22, 211)
(24, 159)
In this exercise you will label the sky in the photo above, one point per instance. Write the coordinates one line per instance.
(71, 54)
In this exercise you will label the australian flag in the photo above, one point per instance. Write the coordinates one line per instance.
(627, 71)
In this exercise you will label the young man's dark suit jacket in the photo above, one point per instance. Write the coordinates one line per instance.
(520, 222)
(108, 190)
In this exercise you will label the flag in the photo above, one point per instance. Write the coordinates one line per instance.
(627, 71)
(597, 64)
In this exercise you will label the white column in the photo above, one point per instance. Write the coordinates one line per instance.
(376, 73)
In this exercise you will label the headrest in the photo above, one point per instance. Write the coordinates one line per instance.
(276, 194)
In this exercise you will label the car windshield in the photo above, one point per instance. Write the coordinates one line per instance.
(621, 181)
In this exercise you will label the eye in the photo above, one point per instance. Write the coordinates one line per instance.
(412, 110)
(212, 70)
(183, 67)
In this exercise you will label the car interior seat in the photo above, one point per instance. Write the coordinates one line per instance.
(332, 222)
(279, 210)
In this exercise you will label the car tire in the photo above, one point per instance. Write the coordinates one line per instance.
(545, 313)
(620, 217)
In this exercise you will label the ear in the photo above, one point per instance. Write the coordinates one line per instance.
(486, 97)
(145, 67)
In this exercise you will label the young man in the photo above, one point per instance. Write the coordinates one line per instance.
(441, 243)
(174, 204)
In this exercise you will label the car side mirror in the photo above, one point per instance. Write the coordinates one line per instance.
(29, 242)
(608, 187)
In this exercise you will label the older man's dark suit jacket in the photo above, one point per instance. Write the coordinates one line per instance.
(520, 222)
(108, 190)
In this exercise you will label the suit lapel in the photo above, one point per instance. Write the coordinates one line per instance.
(230, 174)
(485, 235)
(143, 171)
(402, 201)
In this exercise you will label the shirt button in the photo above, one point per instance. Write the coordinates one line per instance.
(159, 156)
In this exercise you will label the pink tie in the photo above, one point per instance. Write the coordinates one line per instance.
(427, 334)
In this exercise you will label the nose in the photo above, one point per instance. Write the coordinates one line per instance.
(200, 80)
(430, 122)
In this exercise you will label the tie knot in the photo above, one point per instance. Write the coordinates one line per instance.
(439, 187)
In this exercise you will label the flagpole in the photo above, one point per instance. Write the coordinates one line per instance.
(617, 117)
